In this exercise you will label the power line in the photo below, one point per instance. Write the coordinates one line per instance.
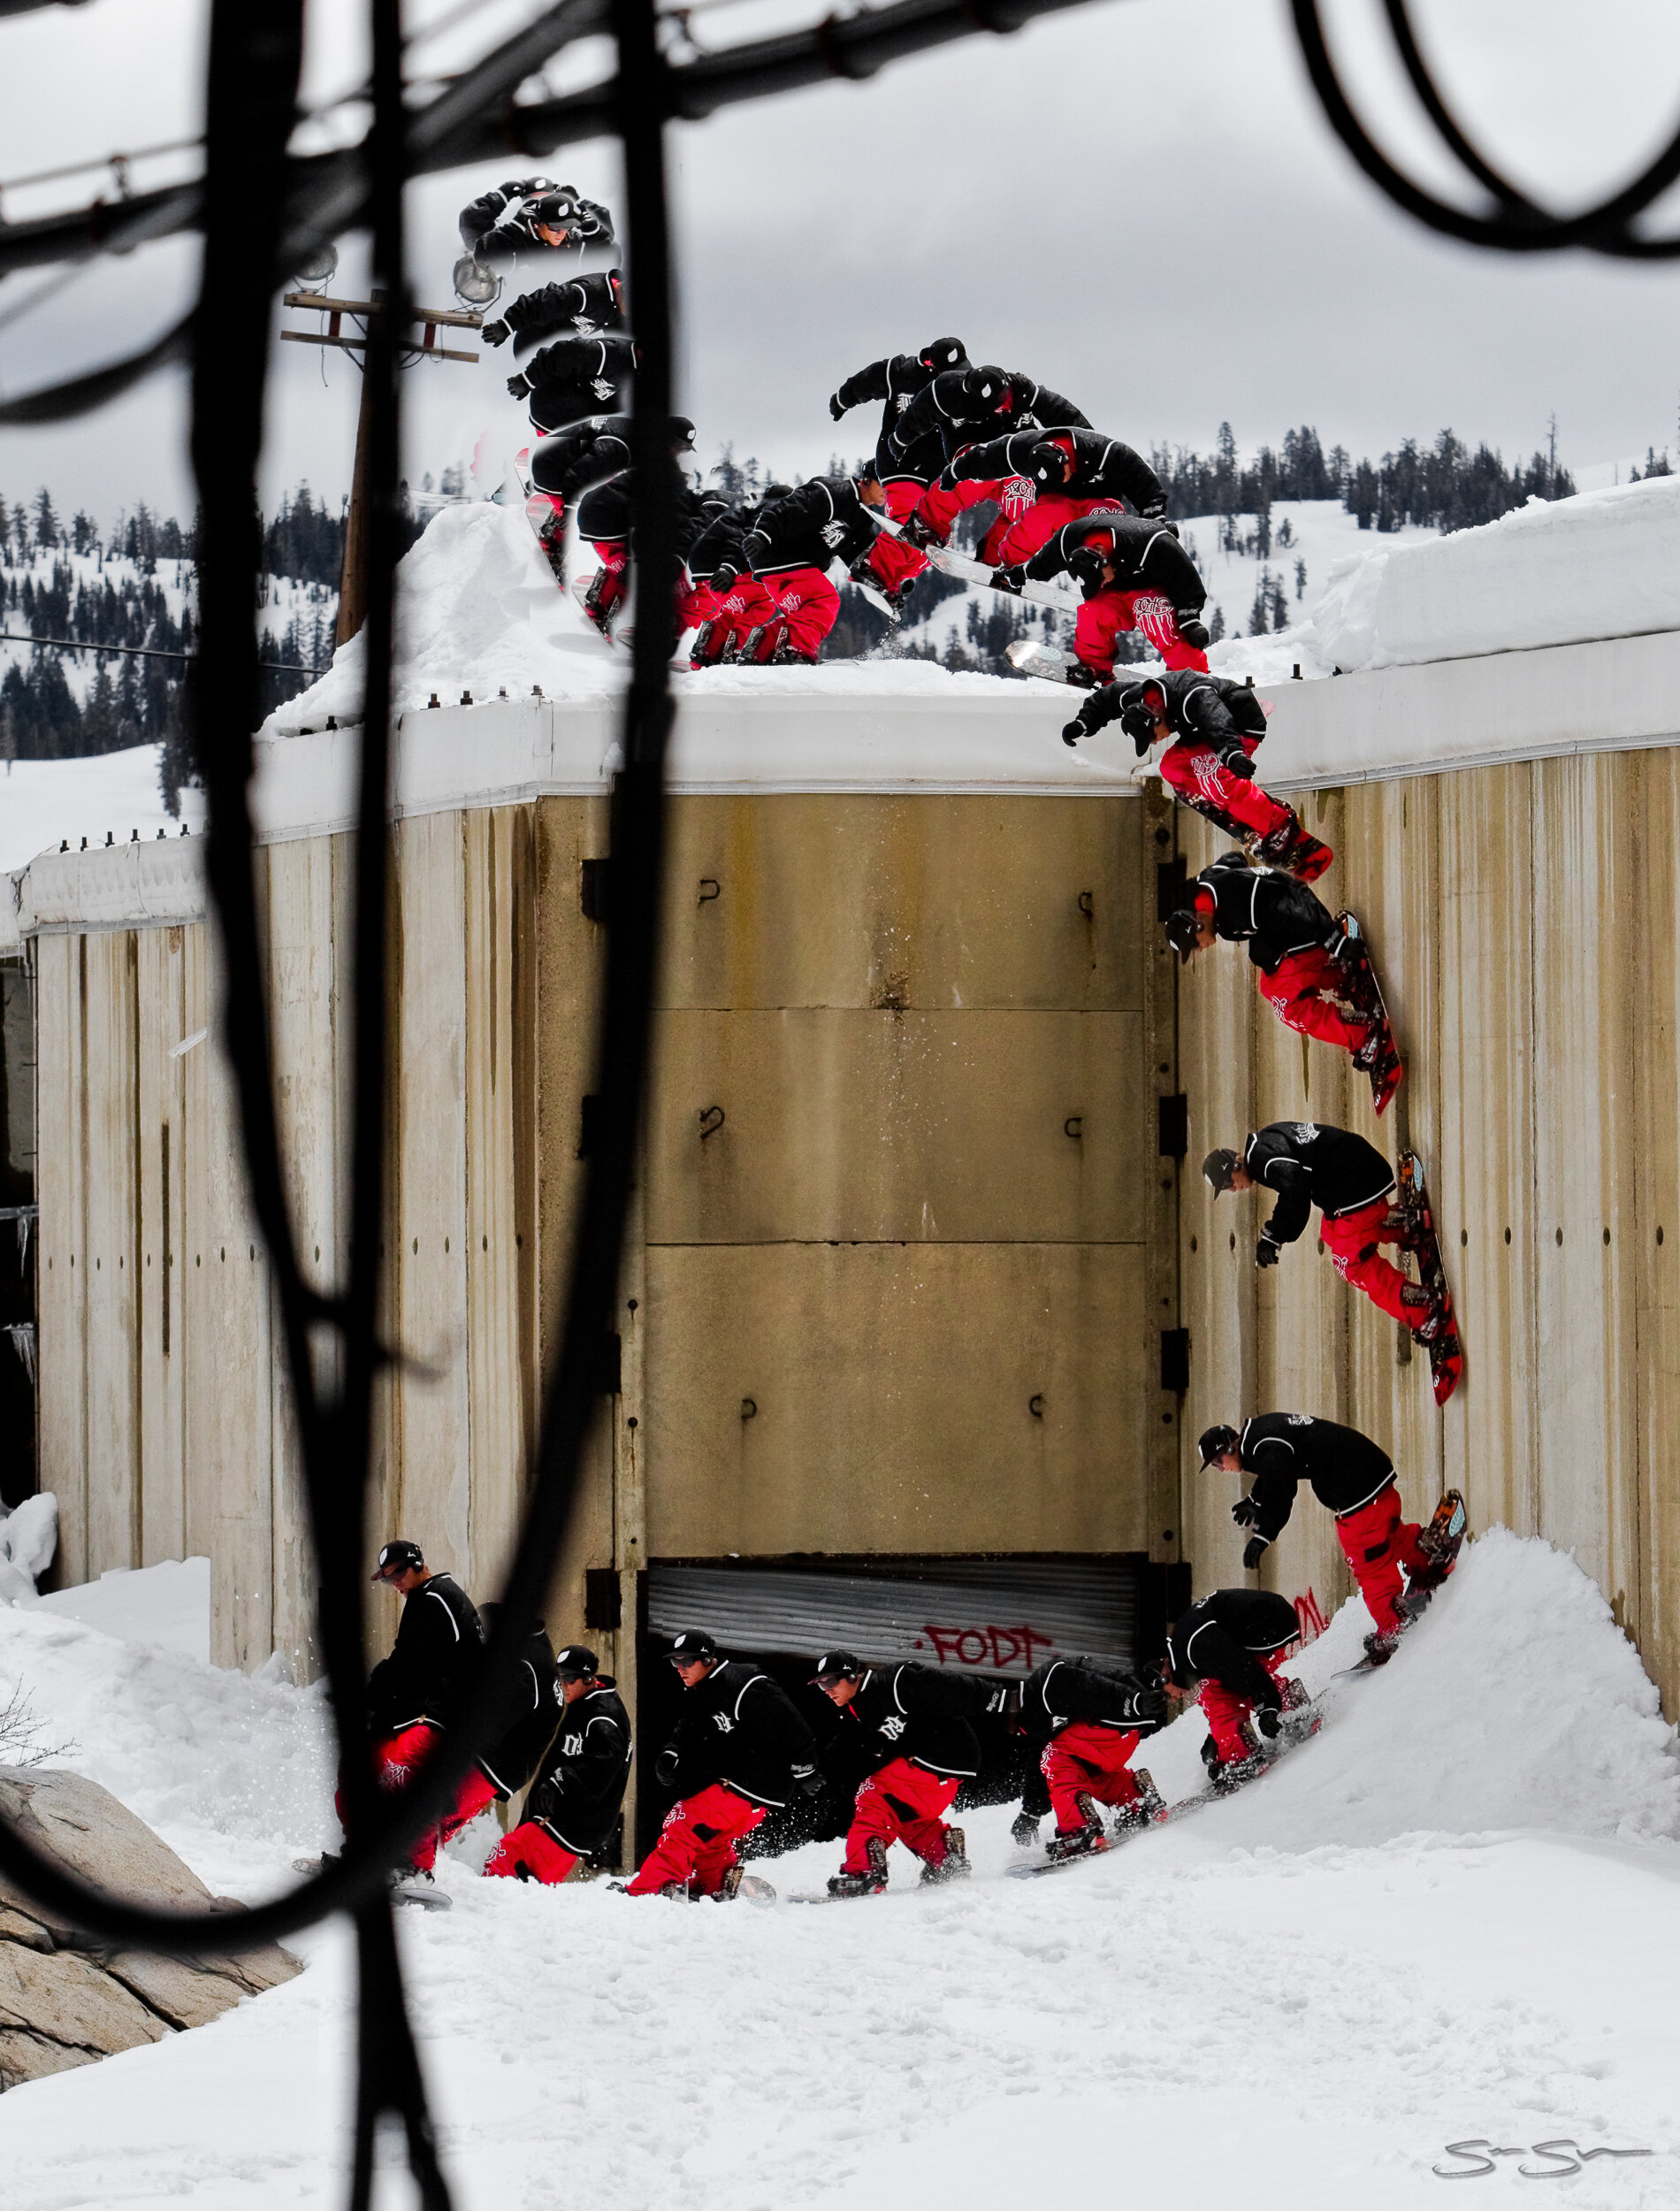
(141, 652)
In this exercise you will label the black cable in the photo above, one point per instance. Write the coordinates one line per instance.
(143, 652)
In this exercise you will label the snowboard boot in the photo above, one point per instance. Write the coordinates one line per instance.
(1145, 1806)
(1230, 1773)
(1413, 1605)
(1378, 1059)
(547, 518)
(919, 533)
(1012, 580)
(1079, 1842)
(738, 1882)
(1084, 678)
(1431, 1310)
(871, 1881)
(1379, 1648)
(1289, 847)
(1024, 1832)
(601, 600)
(1440, 1543)
(954, 1865)
(786, 657)
(702, 654)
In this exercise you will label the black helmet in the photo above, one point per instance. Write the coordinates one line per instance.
(1181, 926)
(693, 1646)
(1085, 562)
(575, 1663)
(1046, 465)
(987, 387)
(944, 354)
(838, 1665)
(396, 1559)
(682, 434)
(1216, 1170)
(1214, 1443)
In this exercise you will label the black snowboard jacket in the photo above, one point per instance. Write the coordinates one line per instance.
(1217, 1638)
(1270, 913)
(718, 543)
(529, 1707)
(740, 1728)
(1063, 1690)
(433, 1663)
(572, 378)
(499, 225)
(604, 511)
(919, 1713)
(580, 1781)
(582, 454)
(1208, 710)
(1103, 467)
(584, 306)
(1281, 1449)
(1309, 1164)
(895, 381)
(824, 520)
(1145, 554)
(966, 404)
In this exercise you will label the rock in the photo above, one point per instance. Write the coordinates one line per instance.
(65, 2000)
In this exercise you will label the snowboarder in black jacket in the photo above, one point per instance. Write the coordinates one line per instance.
(587, 306)
(791, 545)
(1133, 574)
(1233, 1642)
(1309, 1163)
(920, 1746)
(968, 407)
(530, 1706)
(573, 378)
(1305, 964)
(895, 381)
(1354, 1479)
(1041, 480)
(532, 214)
(727, 603)
(740, 1751)
(574, 1807)
(563, 467)
(1211, 727)
(1086, 1717)
(416, 1693)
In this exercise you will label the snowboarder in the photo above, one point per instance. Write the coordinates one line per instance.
(1354, 1479)
(530, 1703)
(790, 546)
(965, 407)
(739, 1752)
(573, 378)
(1043, 480)
(587, 306)
(729, 605)
(532, 214)
(1298, 951)
(1211, 727)
(563, 467)
(415, 1693)
(579, 1791)
(1307, 1163)
(920, 1746)
(1133, 574)
(604, 526)
(1087, 1718)
(896, 380)
(1232, 1642)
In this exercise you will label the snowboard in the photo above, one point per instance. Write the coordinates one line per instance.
(969, 571)
(417, 1892)
(1445, 1352)
(1442, 1540)
(551, 540)
(1385, 1070)
(1033, 659)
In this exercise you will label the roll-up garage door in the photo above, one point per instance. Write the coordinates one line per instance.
(996, 1616)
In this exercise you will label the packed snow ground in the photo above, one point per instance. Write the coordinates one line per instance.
(1449, 1917)
(43, 802)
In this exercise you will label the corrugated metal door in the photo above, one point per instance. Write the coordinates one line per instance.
(995, 1616)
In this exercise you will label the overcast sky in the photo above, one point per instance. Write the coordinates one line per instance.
(1137, 202)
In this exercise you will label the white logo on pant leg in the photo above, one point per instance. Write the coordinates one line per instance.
(1153, 615)
(1019, 493)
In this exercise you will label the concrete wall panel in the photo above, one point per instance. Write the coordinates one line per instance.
(111, 1016)
(160, 1346)
(61, 1093)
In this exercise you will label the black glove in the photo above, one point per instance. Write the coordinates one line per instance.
(1253, 1550)
(836, 406)
(518, 386)
(1236, 762)
(1154, 511)
(1004, 1703)
(1011, 579)
(1194, 632)
(1024, 1832)
(946, 480)
(1266, 1723)
(1265, 1252)
(493, 333)
(1245, 1512)
(665, 1766)
(1209, 1754)
(1072, 731)
(1149, 1707)
(724, 579)
(809, 1780)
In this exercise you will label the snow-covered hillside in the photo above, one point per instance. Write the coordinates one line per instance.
(1447, 1917)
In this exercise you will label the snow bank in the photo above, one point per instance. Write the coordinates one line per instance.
(44, 802)
(29, 1537)
(167, 1605)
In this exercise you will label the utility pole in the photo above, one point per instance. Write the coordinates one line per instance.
(352, 607)
(1551, 456)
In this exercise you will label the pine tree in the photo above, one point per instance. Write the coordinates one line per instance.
(1280, 604)
(1259, 613)
(1216, 628)
(47, 530)
(1300, 580)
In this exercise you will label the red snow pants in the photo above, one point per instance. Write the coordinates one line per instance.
(530, 1852)
(1301, 994)
(901, 1803)
(904, 494)
(1017, 538)
(939, 508)
(745, 607)
(1100, 620)
(1195, 773)
(1352, 1243)
(613, 556)
(1377, 1542)
(394, 1759)
(697, 1843)
(1085, 1757)
(893, 563)
(809, 607)
(1224, 1711)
